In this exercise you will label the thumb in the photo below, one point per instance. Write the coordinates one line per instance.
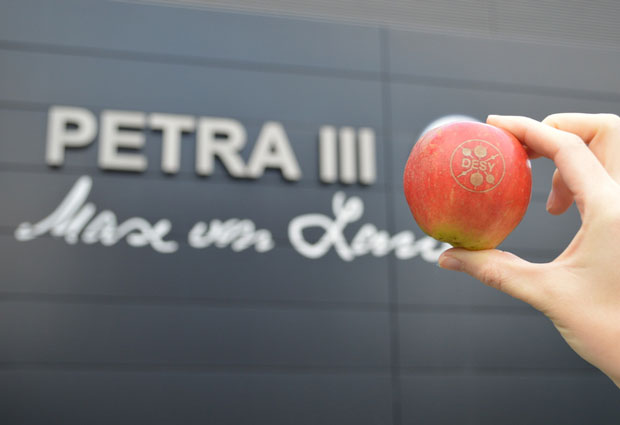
(498, 269)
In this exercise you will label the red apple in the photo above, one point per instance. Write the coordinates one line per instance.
(468, 184)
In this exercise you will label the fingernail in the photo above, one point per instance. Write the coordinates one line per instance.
(450, 263)
(493, 117)
(550, 199)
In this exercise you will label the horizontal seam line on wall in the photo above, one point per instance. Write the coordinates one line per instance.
(383, 371)
(195, 367)
(497, 371)
(446, 82)
(284, 305)
(171, 59)
(306, 127)
(186, 176)
(219, 179)
(305, 70)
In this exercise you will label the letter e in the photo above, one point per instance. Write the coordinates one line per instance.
(115, 134)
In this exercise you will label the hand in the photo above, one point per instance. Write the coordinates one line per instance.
(580, 290)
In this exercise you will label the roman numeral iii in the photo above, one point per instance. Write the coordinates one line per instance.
(346, 155)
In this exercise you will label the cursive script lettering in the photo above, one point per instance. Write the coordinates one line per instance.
(72, 219)
(77, 220)
(367, 240)
(236, 233)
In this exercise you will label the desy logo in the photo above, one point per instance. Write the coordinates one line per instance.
(477, 165)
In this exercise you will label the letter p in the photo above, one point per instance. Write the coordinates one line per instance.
(61, 136)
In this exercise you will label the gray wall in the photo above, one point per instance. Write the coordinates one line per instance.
(124, 335)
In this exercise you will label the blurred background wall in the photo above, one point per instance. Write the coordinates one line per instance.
(266, 320)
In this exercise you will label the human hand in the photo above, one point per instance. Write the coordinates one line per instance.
(579, 290)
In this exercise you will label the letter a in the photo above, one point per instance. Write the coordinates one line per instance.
(273, 150)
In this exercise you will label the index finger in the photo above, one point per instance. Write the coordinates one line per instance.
(600, 131)
(586, 126)
(578, 166)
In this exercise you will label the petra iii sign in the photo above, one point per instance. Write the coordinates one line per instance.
(346, 155)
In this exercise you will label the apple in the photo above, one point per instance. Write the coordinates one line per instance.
(468, 184)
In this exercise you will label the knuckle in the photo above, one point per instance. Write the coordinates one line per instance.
(493, 276)
(610, 122)
(611, 118)
(574, 141)
(571, 143)
(550, 120)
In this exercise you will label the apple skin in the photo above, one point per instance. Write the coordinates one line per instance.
(468, 184)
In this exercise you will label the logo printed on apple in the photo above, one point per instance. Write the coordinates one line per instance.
(477, 165)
